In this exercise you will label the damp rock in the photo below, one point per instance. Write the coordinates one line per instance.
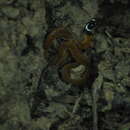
(35, 24)
(122, 69)
(105, 68)
(43, 123)
(54, 86)
(55, 110)
(91, 7)
(7, 72)
(126, 82)
(6, 1)
(122, 48)
(10, 12)
(101, 43)
(22, 3)
(20, 112)
(55, 3)
(54, 91)
(70, 124)
(122, 1)
(108, 91)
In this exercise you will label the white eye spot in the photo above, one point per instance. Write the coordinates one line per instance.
(90, 25)
(86, 28)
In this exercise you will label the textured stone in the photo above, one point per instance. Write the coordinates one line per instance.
(10, 12)
(24, 104)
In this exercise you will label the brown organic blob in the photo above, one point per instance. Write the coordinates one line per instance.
(75, 73)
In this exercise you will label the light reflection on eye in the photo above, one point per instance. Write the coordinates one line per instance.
(90, 25)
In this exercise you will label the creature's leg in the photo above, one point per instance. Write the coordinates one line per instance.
(77, 53)
(61, 56)
(86, 43)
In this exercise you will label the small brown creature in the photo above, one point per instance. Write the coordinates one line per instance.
(77, 71)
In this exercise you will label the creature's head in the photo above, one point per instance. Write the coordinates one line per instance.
(90, 26)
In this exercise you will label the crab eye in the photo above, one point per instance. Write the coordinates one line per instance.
(90, 25)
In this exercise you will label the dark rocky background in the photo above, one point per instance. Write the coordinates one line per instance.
(33, 97)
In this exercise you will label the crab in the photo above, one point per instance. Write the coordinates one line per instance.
(68, 53)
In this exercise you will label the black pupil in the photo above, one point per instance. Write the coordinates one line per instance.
(91, 25)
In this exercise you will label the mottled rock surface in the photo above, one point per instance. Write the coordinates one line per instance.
(34, 96)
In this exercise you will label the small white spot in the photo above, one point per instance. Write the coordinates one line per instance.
(89, 30)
